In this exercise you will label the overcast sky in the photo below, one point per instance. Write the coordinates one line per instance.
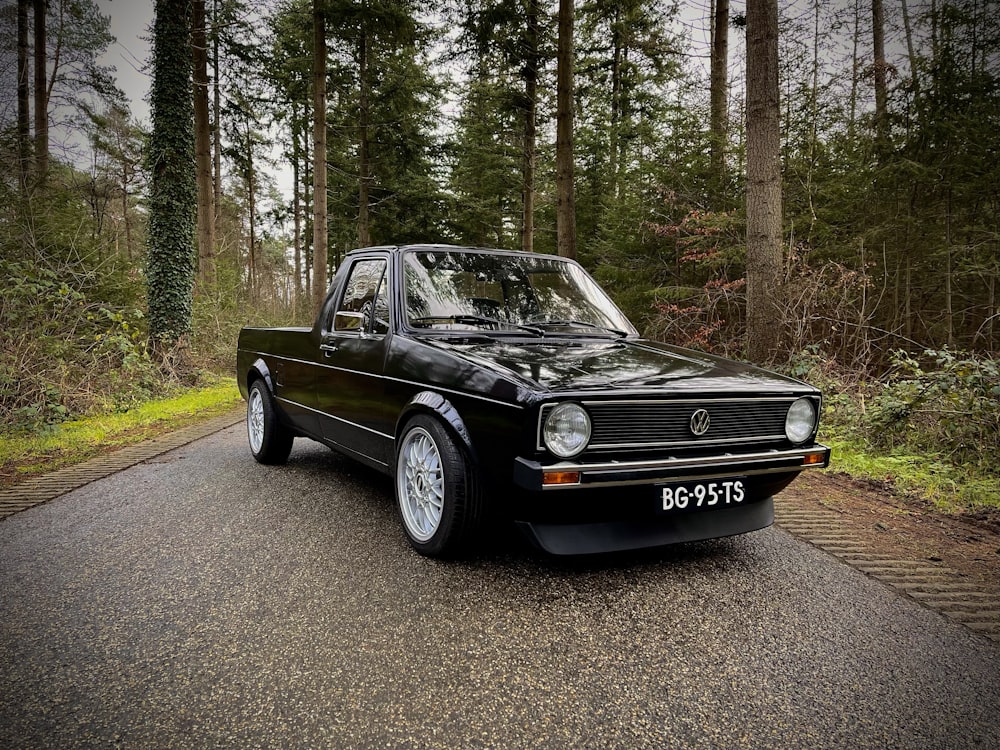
(130, 24)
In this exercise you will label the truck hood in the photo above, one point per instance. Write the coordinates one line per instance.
(566, 364)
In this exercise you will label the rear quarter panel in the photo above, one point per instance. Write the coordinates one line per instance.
(284, 357)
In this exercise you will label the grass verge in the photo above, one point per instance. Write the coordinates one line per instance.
(23, 456)
(948, 488)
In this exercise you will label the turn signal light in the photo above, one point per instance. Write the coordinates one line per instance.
(560, 477)
(810, 459)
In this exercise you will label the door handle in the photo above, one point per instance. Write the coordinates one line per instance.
(327, 349)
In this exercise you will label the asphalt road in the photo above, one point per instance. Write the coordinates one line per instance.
(201, 600)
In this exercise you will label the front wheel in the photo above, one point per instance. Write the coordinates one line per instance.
(270, 441)
(438, 494)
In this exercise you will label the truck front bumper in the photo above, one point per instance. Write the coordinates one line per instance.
(569, 475)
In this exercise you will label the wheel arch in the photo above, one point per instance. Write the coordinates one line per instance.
(436, 405)
(260, 371)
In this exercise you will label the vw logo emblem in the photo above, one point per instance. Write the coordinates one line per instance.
(700, 422)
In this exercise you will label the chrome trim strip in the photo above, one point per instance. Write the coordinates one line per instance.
(339, 419)
(738, 465)
(701, 400)
(687, 443)
(424, 386)
(365, 456)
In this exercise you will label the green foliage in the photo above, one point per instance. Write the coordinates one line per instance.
(65, 354)
(943, 402)
(930, 428)
(405, 200)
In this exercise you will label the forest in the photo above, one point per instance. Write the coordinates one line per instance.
(620, 132)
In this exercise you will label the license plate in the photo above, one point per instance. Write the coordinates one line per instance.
(681, 497)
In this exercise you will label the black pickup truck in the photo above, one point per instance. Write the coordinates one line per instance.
(498, 386)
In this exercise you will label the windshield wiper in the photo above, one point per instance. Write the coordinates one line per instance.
(582, 324)
(473, 320)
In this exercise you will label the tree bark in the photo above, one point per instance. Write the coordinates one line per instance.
(855, 74)
(910, 51)
(296, 211)
(764, 277)
(719, 89)
(41, 90)
(531, 64)
(217, 111)
(879, 71)
(23, 97)
(565, 196)
(364, 167)
(251, 188)
(991, 309)
(307, 211)
(320, 237)
(948, 274)
(203, 148)
(616, 100)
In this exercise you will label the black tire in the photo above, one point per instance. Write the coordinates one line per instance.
(270, 441)
(440, 501)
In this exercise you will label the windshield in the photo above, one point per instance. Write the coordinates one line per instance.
(463, 290)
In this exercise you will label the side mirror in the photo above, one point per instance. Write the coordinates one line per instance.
(347, 322)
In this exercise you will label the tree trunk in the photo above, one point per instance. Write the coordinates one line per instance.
(531, 101)
(203, 148)
(991, 309)
(616, 101)
(23, 96)
(910, 51)
(879, 69)
(307, 212)
(763, 183)
(565, 197)
(813, 122)
(907, 299)
(296, 211)
(217, 111)
(719, 89)
(364, 167)
(320, 238)
(41, 89)
(170, 268)
(948, 272)
(251, 189)
(855, 74)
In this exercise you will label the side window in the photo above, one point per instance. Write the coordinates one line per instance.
(364, 305)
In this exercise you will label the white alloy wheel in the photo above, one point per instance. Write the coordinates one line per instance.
(270, 440)
(420, 484)
(255, 420)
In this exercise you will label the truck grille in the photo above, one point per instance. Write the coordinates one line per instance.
(652, 424)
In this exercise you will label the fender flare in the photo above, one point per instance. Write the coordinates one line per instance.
(434, 404)
(263, 372)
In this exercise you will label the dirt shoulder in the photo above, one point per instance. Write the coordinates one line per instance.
(905, 527)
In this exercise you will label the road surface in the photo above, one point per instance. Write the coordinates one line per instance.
(201, 600)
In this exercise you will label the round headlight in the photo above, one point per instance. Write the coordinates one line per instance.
(566, 430)
(801, 420)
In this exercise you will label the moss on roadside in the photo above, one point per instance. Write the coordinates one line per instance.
(25, 455)
(949, 488)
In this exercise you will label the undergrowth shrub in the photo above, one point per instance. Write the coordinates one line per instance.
(64, 354)
(942, 401)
